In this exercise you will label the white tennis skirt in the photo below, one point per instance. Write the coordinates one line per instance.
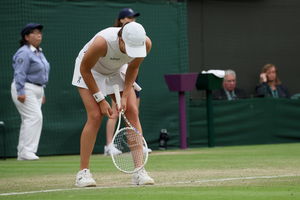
(104, 82)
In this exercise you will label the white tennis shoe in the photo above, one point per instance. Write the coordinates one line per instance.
(84, 179)
(111, 150)
(141, 177)
(146, 149)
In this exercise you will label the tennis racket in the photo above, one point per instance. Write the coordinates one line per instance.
(130, 142)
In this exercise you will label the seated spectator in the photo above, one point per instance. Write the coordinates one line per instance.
(229, 90)
(270, 85)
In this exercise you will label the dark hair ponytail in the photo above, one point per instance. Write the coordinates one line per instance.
(23, 41)
(121, 30)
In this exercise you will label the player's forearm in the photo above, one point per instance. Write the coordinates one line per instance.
(130, 78)
(89, 79)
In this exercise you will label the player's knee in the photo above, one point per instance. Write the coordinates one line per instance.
(133, 111)
(136, 111)
(95, 117)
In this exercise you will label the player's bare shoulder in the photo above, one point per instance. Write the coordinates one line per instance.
(148, 44)
(100, 45)
(97, 49)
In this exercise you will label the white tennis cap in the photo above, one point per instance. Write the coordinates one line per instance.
(134, 36)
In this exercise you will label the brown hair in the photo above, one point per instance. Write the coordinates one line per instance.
(268, 66)
(23, 41)
(121, 30)
(118, 23)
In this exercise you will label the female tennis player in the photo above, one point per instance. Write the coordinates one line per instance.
(97, 69)
(125, 15)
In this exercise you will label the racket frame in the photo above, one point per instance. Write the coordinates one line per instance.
(130, 127)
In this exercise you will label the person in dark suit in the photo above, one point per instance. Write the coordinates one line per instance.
(270, 84)
(229, 90)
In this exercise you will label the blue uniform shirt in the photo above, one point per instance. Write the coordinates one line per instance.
(30, 65)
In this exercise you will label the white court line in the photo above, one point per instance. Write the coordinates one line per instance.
(161, 184)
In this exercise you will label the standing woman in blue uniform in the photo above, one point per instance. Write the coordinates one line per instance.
(31, 73)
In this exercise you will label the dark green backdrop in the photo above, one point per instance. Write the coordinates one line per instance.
(68, 25)
(248, 121)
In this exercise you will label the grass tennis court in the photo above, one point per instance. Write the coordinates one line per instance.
(239, 172)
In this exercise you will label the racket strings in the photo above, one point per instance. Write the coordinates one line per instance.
(130, 142)
(128, 123)
(131, 145)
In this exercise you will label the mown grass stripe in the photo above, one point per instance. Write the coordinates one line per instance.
(161, 184)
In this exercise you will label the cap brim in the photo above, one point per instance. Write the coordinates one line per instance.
(136, 51)
(27, 29)
(39, 26)
(136, 14)
(130, 15)
(35, 26)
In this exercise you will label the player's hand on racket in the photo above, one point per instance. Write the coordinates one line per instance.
(123, 101)
(129, 141)
(106, 109)
(123, 104)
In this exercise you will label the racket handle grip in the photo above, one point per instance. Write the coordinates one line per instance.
(117, 95)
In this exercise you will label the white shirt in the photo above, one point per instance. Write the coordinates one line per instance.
(114, 58)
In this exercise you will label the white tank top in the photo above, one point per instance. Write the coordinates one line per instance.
(114, 58)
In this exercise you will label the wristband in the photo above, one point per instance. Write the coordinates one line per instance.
(98, 96)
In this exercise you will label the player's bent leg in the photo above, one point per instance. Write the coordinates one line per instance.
(90, 130)
(88, 138)
(140, 177)
(132, 112)
(109, 148)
